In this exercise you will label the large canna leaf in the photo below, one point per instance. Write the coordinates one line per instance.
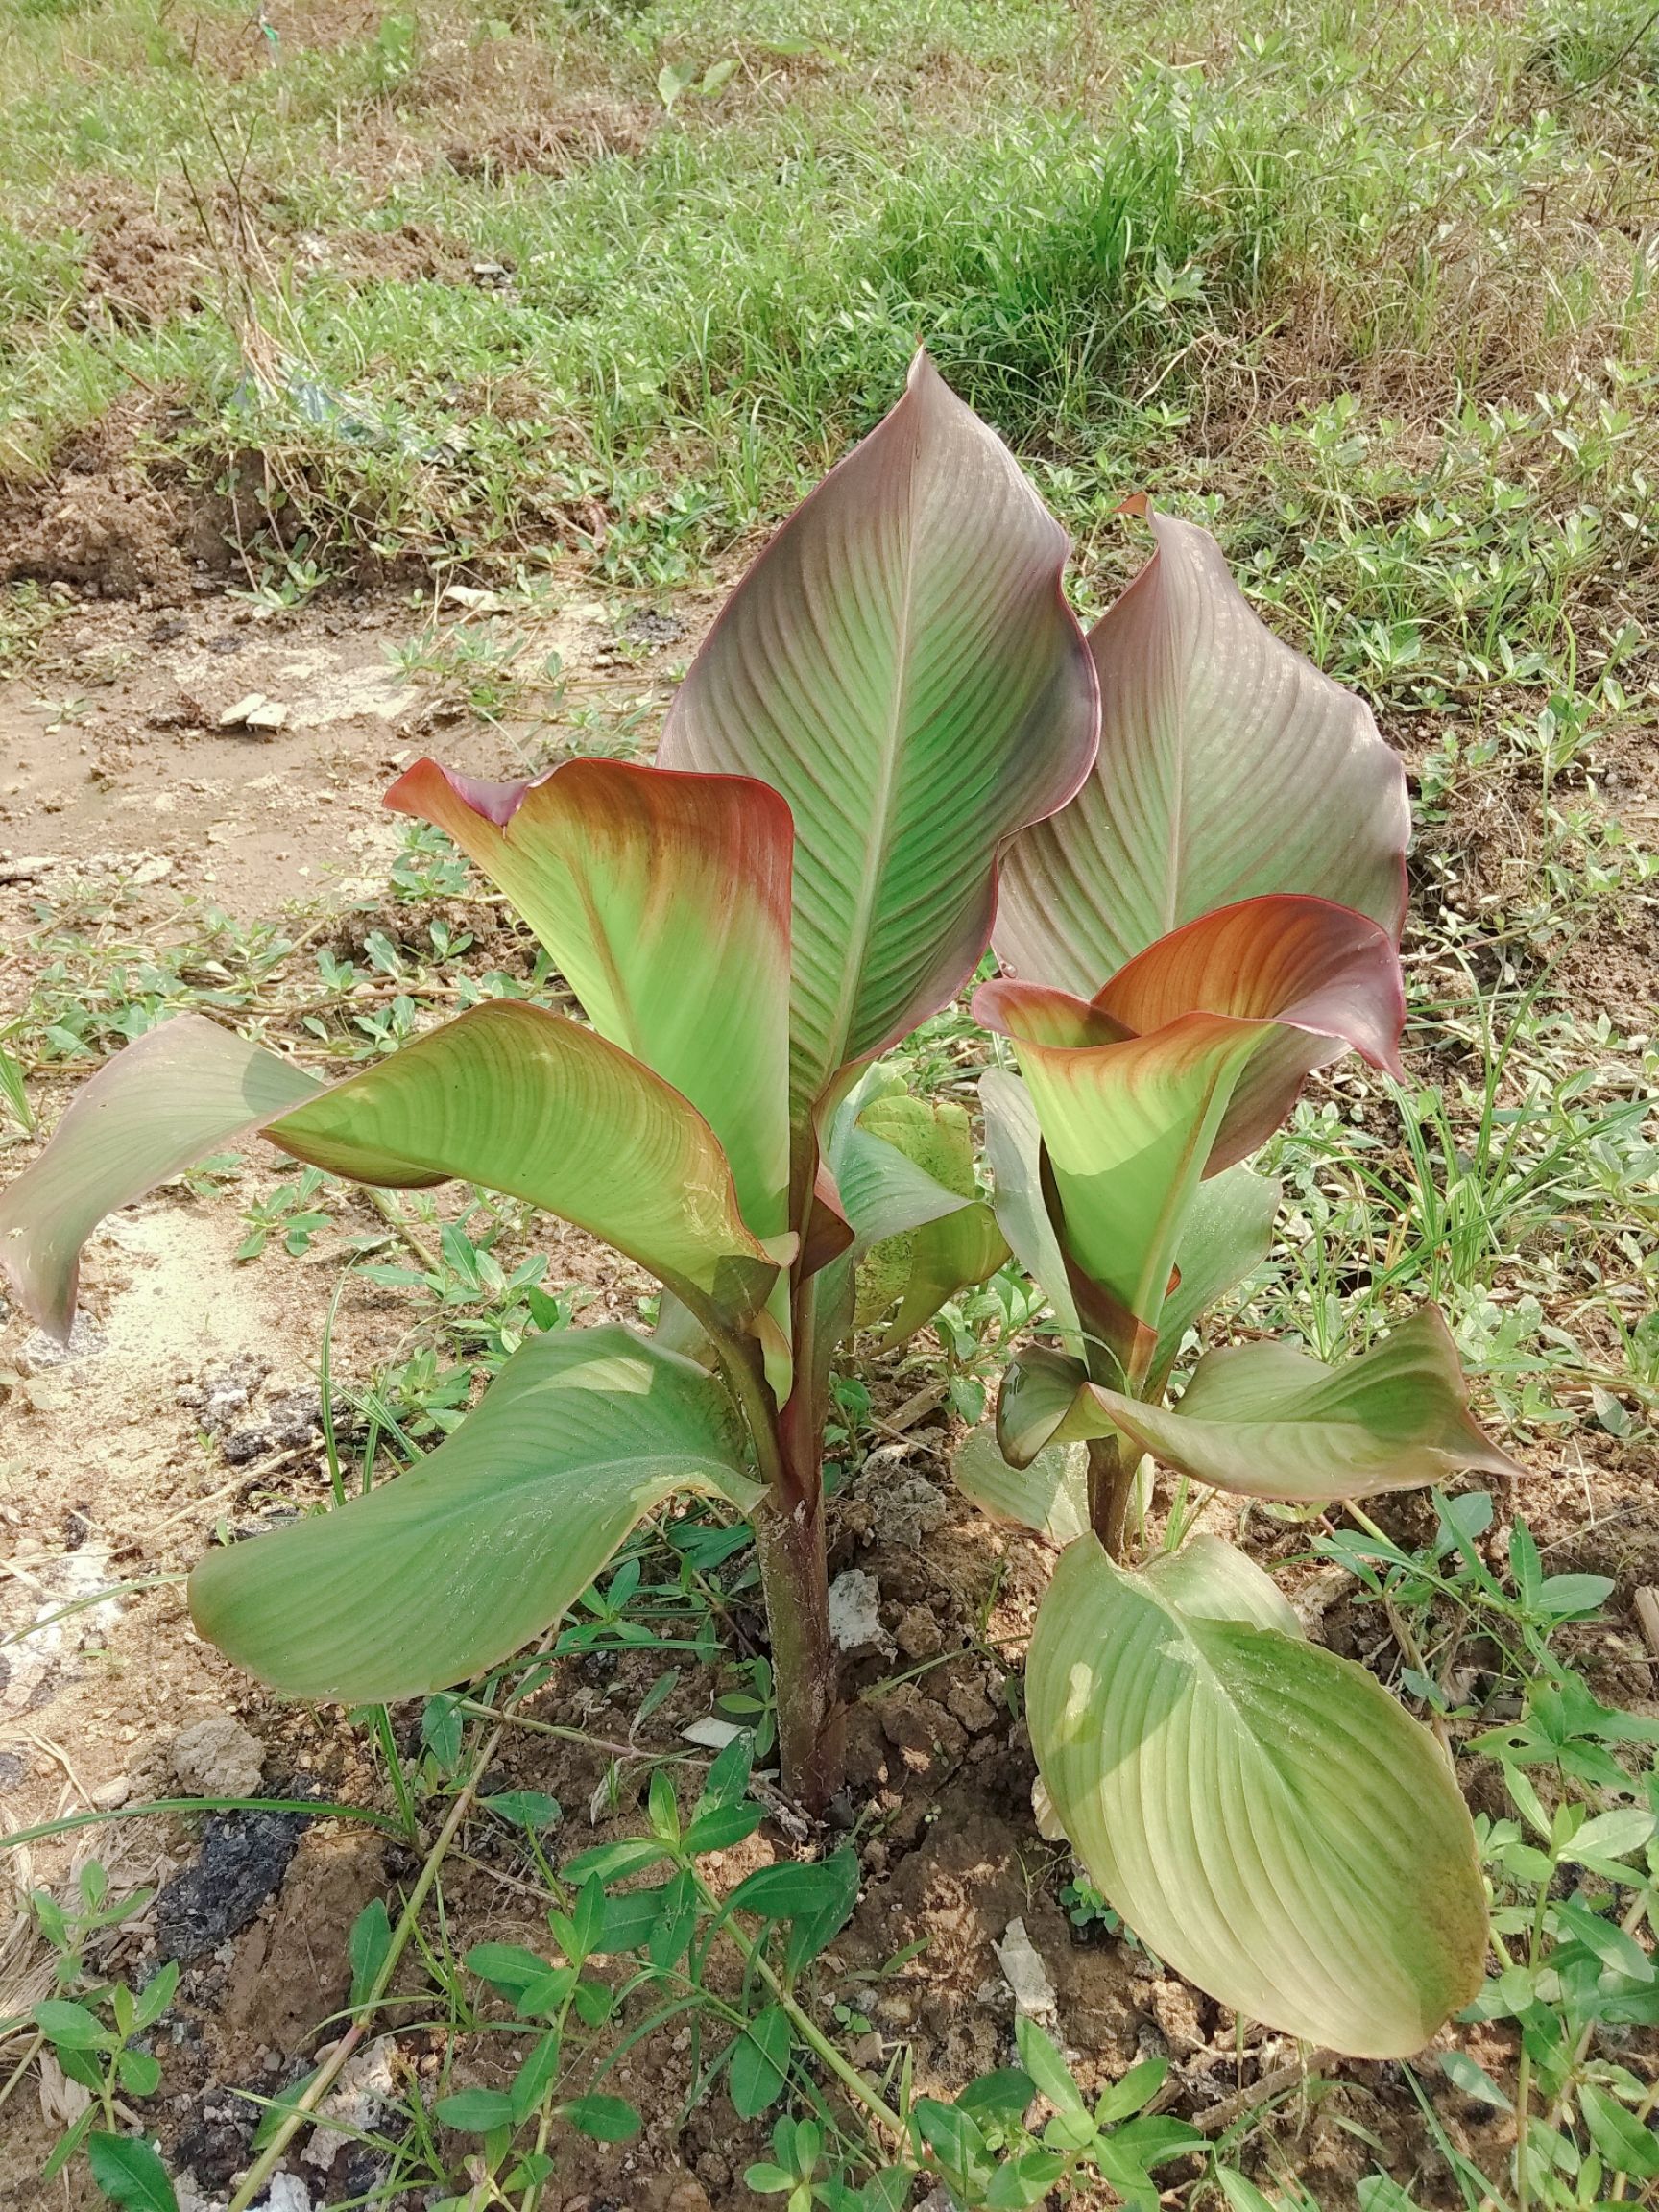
(1240, 1006)
(666, 901)
(900, 663)
(530, 1103)
(1050, 1497)
(1229, 767)
(1262, 1814)
(1268, 1422)
(181, 1090)
(444, 1572)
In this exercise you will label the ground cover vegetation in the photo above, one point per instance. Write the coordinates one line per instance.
(1370, 298)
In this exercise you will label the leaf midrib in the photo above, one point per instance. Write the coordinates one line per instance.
(877, 848)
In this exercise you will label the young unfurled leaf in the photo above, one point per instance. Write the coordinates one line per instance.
(1262, 1814)
(1183, 1063)
(432, 1578)
(900, 663)
(1229, 767)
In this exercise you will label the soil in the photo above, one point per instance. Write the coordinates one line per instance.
(186, 1405)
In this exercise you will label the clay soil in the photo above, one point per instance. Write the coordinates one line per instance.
(186, 1405)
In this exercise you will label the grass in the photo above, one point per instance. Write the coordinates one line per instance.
(1368, 288)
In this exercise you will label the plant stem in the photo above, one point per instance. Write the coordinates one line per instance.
(812, 1723)
(789, 1542)
(1112, 1468)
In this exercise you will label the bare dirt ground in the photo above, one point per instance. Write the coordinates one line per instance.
(187, 1405)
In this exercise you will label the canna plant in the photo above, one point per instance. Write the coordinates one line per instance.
(896, 702)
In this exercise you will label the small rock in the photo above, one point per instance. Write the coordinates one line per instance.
(854, 1612)
(1027, 1976)
(907, 1512)
(916, 1727)
(917, 1634)
(218, 1758)
(1171, 2005)
(968, 1701)
(287, 2193)
(110, 1795)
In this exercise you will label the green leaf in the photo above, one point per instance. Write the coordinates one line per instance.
(724, 1825)
(900, 663)
(1471, 2077)
(1051, 1495)
(156, 1996)
(1241, 2193)
(727, 1781)
(1045, 1400)
(184, 1089)
(530, 1103)
(613, 1862)
(70, 2027)
(954, 2140)
(604, 2119)
(675, 1921)
(759, 2062)
(445, 1570)
(1265, 1421)
(130, 2173)
(1262, 1814)
(506, 1967)
(1229, 767)
(1014, 1154)
(1604, 1939)
(1041, 2058)
(1611, 1836)
(1001, 2097)
(536, 2076)
(1137, 2087)
(475, 2111)
(1226, 1235)
(817, 1899)
(137, 2071)
(631, 1919)
(1627, 2146)
(665, 900)
(531, 1809)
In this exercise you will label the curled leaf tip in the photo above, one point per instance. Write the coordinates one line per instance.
(496, 802)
